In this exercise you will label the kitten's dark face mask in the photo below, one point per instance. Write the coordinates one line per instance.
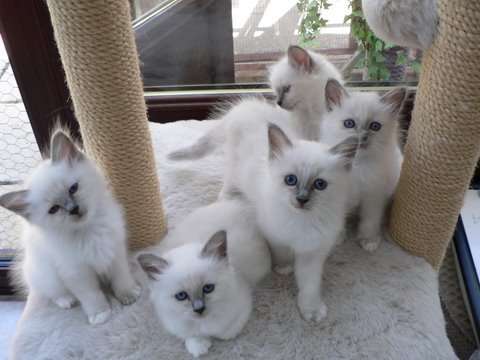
(366, 132)
(69, 205)
(304, 190)
(196, 298)
(282, 94)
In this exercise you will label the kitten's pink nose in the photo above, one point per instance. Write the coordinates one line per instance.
(75, 210)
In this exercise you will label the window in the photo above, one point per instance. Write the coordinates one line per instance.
(225, 42)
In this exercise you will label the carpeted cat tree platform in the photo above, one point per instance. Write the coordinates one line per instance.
(383, 305)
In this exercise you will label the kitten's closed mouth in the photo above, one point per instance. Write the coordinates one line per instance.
(300, 206)
(80, 216)
(289, 107)
(201, 316)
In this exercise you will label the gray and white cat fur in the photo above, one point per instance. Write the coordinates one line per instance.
(300, 191)
(298, 80)
(410, 23)
(376, 167)
(74, 233)
(217, 245)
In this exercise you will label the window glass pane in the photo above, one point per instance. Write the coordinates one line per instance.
(18, 150)
(141, 7)
(211, 42)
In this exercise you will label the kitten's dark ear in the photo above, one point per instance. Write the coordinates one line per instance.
(16, 202)
(277, 140)
(346, 150)
(335, 93)
(216, 246)
(300, 59)
(62, 148)
(394, 99)
(152, 265)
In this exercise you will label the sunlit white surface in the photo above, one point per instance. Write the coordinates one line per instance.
(275, 11)
(241, 12)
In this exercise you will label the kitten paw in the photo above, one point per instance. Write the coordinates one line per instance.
(100, 317)
(65, 302)
(283, 269)
(370, 244)
(312, 310)
(128, 297)
(198, 346)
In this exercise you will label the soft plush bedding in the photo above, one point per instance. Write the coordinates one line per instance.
(383, 305)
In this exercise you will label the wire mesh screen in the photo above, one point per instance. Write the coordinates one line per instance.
(18, 150)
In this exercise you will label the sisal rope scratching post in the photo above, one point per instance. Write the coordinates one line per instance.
(443, 144)
(97, 48)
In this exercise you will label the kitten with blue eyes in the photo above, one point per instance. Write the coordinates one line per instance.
(376, 167)
(298, 81)
(300, 192)
(74, 233)
(202, 273)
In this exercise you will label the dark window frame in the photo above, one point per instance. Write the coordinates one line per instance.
(28, 37)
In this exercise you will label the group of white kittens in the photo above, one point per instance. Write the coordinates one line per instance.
(294, 173)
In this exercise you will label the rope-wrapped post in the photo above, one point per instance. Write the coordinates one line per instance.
(443, 143)
(96, 44)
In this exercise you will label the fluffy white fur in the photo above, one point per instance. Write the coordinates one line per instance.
(68, 251)
(298, 80)
(259, 157)
(382, 306)
(189, 258)
(410, 23)
(376, 167)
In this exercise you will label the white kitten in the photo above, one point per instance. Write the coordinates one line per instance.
(376, 167)
(300, 193)
(74, 233)
(199, 291)
(298, 81)
(410, 23)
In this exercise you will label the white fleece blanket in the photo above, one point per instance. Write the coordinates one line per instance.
(381, 306)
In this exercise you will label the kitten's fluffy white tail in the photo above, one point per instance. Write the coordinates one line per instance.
(10, 182)
(205, 145)
(216, 136)
(15, 275)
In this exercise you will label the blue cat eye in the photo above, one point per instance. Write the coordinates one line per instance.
(320, 184)
(73, 189)
(286, 88)
(181, 296)
(375, 126)
(208, 288)
(349, 123)
(290, 180)
(53, 209)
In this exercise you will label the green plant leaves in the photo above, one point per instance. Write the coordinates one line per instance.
(375, 48)
(312, 20)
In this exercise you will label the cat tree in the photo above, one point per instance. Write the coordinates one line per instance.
(97, 48)
(382, 305)
(443, 142)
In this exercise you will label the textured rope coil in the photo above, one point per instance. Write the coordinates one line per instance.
(96, 44)
(444, 138)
